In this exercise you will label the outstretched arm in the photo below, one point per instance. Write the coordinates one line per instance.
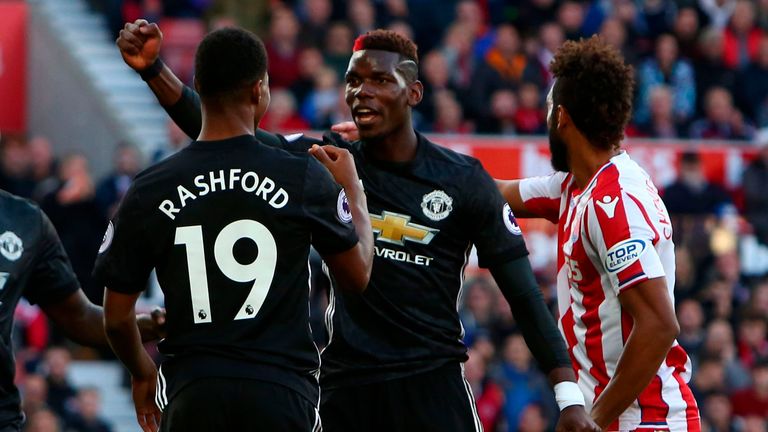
(518, 285)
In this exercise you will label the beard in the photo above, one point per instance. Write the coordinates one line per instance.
(558, 150)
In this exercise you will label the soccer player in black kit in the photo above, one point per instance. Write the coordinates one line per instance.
(33, 264)
(395, 354)
(227, 223)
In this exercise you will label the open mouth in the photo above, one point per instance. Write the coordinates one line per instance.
(364, 116)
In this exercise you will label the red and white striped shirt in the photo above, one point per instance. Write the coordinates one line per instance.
(613, 235)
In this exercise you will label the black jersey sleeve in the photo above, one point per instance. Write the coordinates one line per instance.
(52, 278)
(187, 113)
(123, 263)
(326, 207)
(494, 230)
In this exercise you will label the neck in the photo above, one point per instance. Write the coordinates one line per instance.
(585, 160)
(398, 146)
(222, 122)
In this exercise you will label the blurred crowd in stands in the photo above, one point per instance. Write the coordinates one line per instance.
(702, 73)
(701, 66)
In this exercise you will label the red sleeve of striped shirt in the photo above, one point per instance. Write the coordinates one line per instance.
(623, 238)
(542, 195)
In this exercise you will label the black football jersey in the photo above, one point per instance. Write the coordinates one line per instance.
(228, 226)
(426, 216)
(33, 264)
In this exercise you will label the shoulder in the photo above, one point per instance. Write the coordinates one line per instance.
(18, 208)
(443, 155)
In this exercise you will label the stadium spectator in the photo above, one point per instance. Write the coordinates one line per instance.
(60, 391)
(742, 37)
(754, 423)
(43, 420)
(753, 88)
(522, 383)
(449, 115)
(477, 313)
(310, 62)
(489, 397)
(282, 115)
(719, 346)
(436, 78)
(531, 15)
(501, 116)
(315, 15)
(691, 318)
(402, 28)
(754, 179)
(686, 30)
(717, 12)
(87, 417)
(662, 122)
(719, 413)
(722, 120)
(551, 37)
(529, 117)
(110, 191)
(177, 140)
(457, 49)
(283, 48)
(615, 34)
(321, 100)
(753, 400)
(710, 67)
(73, 210)
(35, 394)
(709, 377)
(752, 344)
(570, 16)
(338, 45)
(533, 419)
(470, 17)
(666, 67)
(15, 166)
(362, 16)
(42, 165)
(692, 193)
(505, 67)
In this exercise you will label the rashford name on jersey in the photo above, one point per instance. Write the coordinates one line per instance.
(223, 180)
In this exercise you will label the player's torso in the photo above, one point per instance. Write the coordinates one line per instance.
(422, 242)
(231, 244)
(592, 319)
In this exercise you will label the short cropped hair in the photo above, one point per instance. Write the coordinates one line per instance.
(228, 60)
(388, 40)
(595, 86)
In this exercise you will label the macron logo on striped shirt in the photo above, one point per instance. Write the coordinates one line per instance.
(608, 205)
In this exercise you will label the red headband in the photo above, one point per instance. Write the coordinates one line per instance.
(358, 43)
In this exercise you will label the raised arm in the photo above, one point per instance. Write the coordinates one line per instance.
(139, 43)
(351, 268)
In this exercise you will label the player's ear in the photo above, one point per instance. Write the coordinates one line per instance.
(256, 92)
(562, 116)
(415, 93)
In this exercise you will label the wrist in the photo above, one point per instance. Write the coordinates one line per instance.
(152, 70)
(567, 394)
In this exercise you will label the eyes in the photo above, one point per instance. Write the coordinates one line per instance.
(354, 81)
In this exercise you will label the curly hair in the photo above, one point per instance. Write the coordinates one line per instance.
(595, 86)
(388, 40)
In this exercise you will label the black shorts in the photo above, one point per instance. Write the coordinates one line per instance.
(238, 404)
(438, 400)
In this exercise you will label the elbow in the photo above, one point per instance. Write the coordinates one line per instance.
(665, 331)
(357, 283)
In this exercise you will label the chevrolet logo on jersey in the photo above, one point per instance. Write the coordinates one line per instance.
(396, 229)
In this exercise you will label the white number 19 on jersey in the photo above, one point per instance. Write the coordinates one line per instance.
(261, 271)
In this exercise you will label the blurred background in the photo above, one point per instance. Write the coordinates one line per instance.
(77, 125)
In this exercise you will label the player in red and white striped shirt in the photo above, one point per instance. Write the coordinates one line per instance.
(616, 258)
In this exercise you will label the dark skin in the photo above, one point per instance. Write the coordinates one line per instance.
(655, 324)
(227, 117)
(379, 81)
